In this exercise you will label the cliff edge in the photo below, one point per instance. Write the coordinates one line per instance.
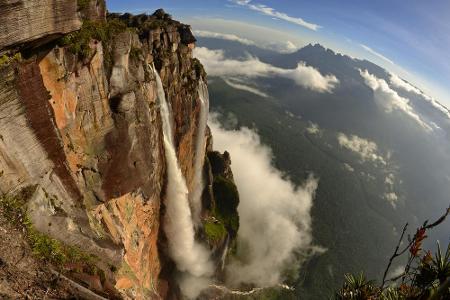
(82, 147)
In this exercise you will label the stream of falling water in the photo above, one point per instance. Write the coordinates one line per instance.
(196, 197)
(189, 256)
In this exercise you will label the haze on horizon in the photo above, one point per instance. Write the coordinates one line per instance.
(409, 39)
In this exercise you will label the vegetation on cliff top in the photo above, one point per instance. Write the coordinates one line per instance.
(215, 230)
(79, 42)
(227, 200)
(223, 218)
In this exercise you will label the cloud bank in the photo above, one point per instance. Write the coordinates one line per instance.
(271, 12)
(275, 221)
(389, 100)
(280, 47)
(243, 87)
(377, 54)
(402, 84)
(217, 64)
(367, 150)
(223, 36)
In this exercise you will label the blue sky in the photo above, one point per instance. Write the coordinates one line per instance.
(410, 38)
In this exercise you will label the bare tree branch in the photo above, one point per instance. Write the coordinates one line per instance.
(398, 253)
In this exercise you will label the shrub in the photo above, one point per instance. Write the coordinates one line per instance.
(226, 195)
(425, 276)
(214, 230)
(78, 42)
(7, 59)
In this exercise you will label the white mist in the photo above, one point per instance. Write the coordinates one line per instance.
(190, 257)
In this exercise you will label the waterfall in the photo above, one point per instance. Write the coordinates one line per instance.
(224, 253)
(190, 257)
(196, 197)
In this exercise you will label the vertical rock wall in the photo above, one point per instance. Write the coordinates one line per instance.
(89, 133)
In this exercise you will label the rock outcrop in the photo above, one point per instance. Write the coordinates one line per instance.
(79, 120)
(37, 21)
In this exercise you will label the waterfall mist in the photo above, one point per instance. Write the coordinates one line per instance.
(191, 258)
(196, 196)
(275, 222)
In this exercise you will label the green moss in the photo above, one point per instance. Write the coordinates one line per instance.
(79, 42)
(44, 247)
(4, 59)
(198, 67)
(135, 53)
(227, 201)
(214, 230)
(7, 59)
(14, 209)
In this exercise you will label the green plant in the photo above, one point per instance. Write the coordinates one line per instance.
(356, 287)
(135, 52)
(198, 67)
(425, 276)
(7, 59)
(227, 200)
(433, 270)
(79, 42)
(14, 209)
(214, 230)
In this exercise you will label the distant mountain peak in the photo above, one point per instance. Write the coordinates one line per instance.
(316, 46)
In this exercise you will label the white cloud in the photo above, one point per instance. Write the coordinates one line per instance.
(390, 180)
(306, 76)
(264, 37)
(390, 195)
(377, 54)
(388, 99)
(402, 84)
(367, 150)
(243, 87)
(392, 198)
(280, 46)
(269, 11)
(349, 168)
(275, 220)
(313, 128)
(223, 36)
(399, 270)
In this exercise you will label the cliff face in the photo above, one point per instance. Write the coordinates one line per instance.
(79, 119)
